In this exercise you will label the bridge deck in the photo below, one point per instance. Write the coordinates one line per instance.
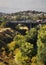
(28, 21)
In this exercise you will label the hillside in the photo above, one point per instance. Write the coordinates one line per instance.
(23, 15)
(20, 45)
(6, 36)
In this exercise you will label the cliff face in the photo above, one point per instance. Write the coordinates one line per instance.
(6, 36)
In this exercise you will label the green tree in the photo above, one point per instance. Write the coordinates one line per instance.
(31, 35)
(41, 43)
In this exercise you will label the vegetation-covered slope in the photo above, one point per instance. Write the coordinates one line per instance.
(19, 49)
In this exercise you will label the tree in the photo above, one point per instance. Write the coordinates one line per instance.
(31, 35)
(41, 43)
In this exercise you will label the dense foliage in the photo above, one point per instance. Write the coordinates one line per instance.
(41, 42)
(19, 49)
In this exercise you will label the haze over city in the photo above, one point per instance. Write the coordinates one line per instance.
(10, 6)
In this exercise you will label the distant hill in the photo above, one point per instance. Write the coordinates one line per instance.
(28, 11)
(23, 15)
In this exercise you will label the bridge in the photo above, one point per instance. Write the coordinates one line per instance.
(29, 23)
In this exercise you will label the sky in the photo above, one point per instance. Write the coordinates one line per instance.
(11, 6)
